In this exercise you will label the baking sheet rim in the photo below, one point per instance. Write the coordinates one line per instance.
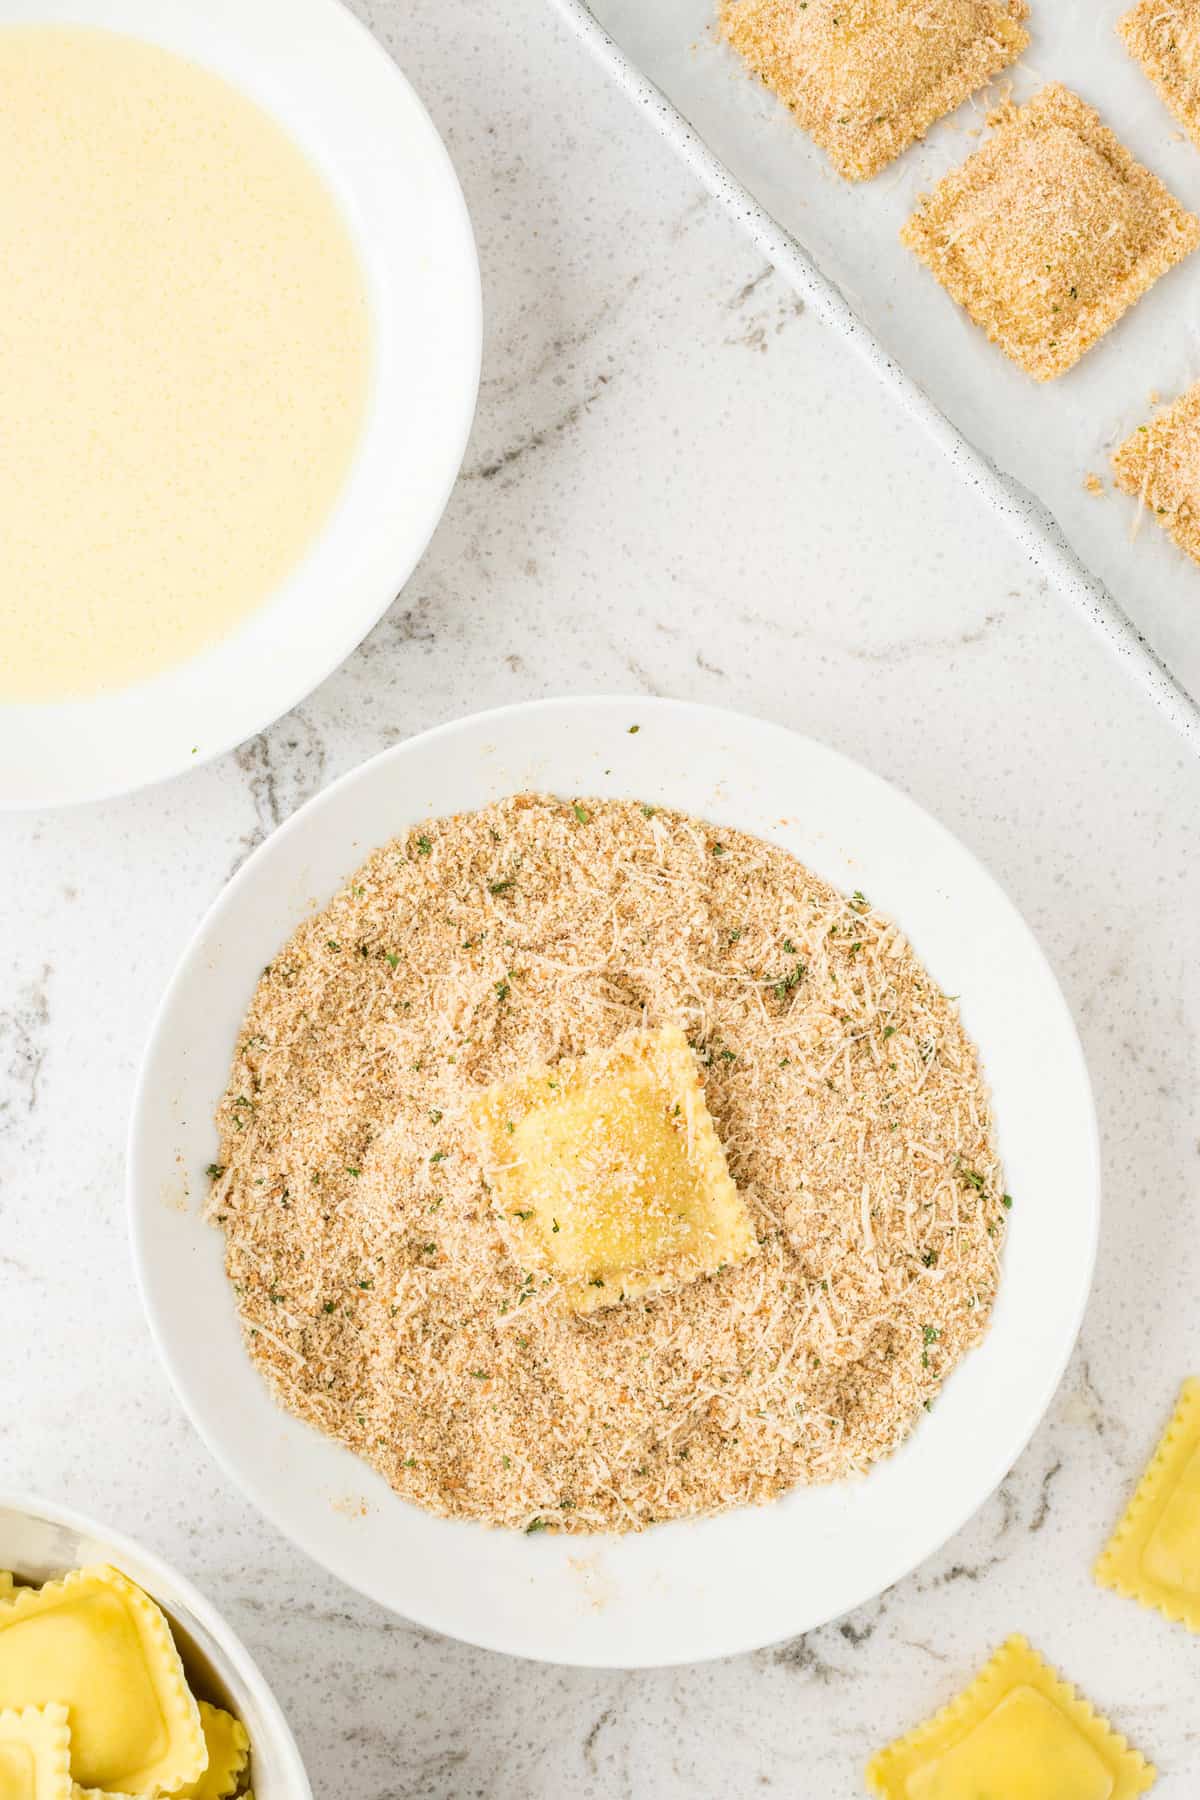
(1027, 518)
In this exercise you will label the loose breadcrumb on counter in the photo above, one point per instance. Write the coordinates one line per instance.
(867, 78)
(1050, 231)
(1159, 464)
(380, 1296)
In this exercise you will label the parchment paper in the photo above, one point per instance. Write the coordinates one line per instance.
(1049, 437)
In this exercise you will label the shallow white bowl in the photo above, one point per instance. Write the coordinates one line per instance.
(683, 1591)
(40, 1542)
(324, 77)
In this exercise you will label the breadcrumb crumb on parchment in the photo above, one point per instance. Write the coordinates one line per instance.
(381, 1299)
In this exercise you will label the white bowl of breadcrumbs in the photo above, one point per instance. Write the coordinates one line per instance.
(614, 1181)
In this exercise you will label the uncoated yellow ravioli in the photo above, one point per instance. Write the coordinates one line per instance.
(228, 1752)
(607, 1172)
(1154, 1554)
(35, 1754)
(95, 1641)
(1050, 231)
(1019, 1732)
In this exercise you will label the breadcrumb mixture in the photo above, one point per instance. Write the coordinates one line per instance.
(376, 1290)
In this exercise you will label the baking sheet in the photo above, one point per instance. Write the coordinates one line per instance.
(1022, 443)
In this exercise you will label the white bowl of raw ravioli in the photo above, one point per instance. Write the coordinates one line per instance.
(42, 1542)
(703, 1588)
(321, 75)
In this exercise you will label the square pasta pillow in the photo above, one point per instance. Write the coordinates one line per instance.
(35, 1753)
(1018, 1732)
(607, 1174)
(867, 78)
(1154, 1554)
(98, 1642)
(1049, 232)
(1164, 36)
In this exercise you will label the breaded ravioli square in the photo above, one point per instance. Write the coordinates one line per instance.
(867, 78)
(1164, 36)
(607, 1174)
(1159, 464)
(1050, 231)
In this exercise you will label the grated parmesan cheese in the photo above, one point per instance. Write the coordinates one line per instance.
(381, 1297)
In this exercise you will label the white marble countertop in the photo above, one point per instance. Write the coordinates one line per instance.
(678, 483)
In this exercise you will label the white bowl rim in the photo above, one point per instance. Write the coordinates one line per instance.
(34, 780)
(127, 1550)
(1088, 1185)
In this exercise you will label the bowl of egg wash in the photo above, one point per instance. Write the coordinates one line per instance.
(118, 1679)
(239, 356)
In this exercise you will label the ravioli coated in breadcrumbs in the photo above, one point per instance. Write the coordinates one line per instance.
(1050, 231)
(1159, 464)
(1164, 36)
(867, 78)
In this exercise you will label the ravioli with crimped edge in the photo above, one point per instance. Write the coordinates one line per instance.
(95, 1703)
(1153, 1555)
(607, 1172)
(35, 1753)
(1018, 1731)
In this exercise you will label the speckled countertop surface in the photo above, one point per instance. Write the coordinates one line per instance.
(677, 484)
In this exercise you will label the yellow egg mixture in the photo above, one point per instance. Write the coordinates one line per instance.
(184, 357)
